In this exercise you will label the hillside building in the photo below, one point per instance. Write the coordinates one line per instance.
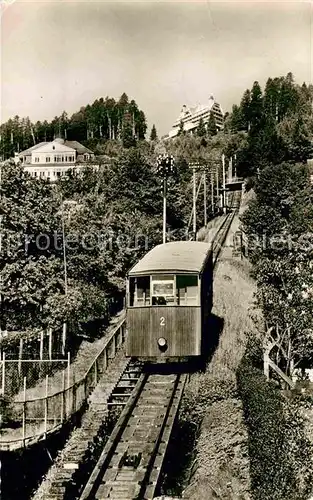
(190, 117)
(53, 159)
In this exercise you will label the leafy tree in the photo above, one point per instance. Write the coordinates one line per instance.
(212, 129)
(256, 108)
(271, 97)
(181, 128)
(128, 139)
(288, 97)
(29, 256)
(296, 136)
(201, 130)
(236, 119)
(153, 135)
(278, 223)
(245, 109)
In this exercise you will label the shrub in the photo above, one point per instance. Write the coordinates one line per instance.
(274, 453)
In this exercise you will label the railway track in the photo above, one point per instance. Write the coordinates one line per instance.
(221, 235)
(131, 461)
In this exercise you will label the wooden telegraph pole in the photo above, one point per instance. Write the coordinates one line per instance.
(204, 168)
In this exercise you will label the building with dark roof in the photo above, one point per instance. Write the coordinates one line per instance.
(53, 159)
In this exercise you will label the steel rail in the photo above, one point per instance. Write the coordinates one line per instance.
(152, 422)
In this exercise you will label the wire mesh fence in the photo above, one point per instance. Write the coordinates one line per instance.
(37, 411)
(15, 373)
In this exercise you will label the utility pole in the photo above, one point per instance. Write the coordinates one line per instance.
(217, 190)
(230, 169)
(194, 202)
(212, 192)
(224, 185)
(61, 213)
(205, 199)
(165, 167)
(164, 207)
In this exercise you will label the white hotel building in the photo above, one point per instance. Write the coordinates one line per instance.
(190, 117)
(51, 160)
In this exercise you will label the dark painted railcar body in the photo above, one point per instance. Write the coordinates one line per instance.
(169, 300)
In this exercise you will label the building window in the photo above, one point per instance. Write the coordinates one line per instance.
(36, 159)
(48, 159)
(62, 159)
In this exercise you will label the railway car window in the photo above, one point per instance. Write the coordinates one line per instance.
(187, 290)
(139, 291)
(163, 290)
(131, 291)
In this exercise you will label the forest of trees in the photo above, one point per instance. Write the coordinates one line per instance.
(277, 124)
(105, 119)
(125, 197)
(279, 221)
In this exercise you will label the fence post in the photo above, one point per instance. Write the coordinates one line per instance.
(41, 345)
(113, 352)
(3, 373)
(46, 407)
(120, 335)
(74, 395)
(96, 373)
(68, 408)
(105, 359)
(50, 343)
(20, 355)
(266, 366)
(24, 414)
(63, 339)
(63, 397)
(68, 369)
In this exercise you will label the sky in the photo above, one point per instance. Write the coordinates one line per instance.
(63, 54)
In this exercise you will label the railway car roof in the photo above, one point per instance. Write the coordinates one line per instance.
(177, 256)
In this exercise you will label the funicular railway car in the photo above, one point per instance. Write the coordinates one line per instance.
(169, 300)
